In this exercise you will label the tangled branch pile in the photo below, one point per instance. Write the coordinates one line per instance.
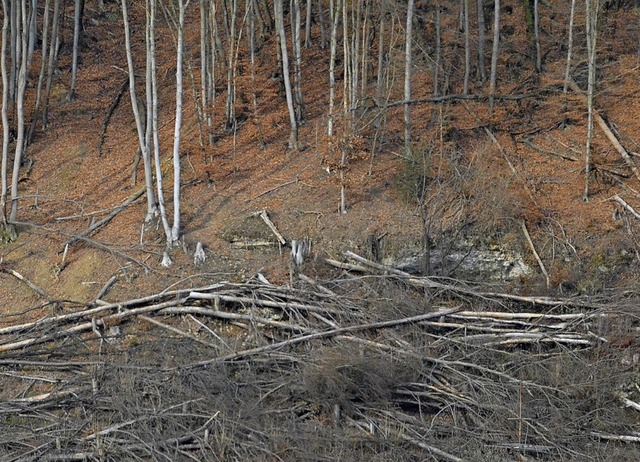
(376, 366)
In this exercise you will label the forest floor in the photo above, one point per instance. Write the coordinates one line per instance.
(586, 246)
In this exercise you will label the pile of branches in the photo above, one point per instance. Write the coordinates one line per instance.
(376, 364)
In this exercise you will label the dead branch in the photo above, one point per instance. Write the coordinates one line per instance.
(626, 206)
(30, 284)
(265, 217)
(321, 335)
(110, 111)
(90, 242)
(608, 133)
(275, 188)
(525, 231)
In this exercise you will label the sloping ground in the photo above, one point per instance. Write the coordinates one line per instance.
(475, 193)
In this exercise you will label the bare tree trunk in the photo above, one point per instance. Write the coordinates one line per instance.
(592, 7)
(43, 63)
(380, 74)
(279, 17)
(152, 109)
(335, 15)
(22, 33)
(323, 33)
(494, 54)
(230, 115)
(205, 63)
(297, 58)
(407, 76)
(53, 55)
(536, 27)
(175, 230)
(144, 148)
(438, 63)
(467, 49)
(567, 72)
(482, 76)
(14, 49)
(307, 26)
(5, 116)
(77, 26)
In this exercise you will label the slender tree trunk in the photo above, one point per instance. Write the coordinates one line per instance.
(153, 110)
(592, 7)
(407, 76)
(279, 17)
(205, 58)
(14, 49)
(175, 230)
(53, 55)
(5, 116)
(438, 63)
(494, 54)
(77, 26)
(467, 49)
(567, 72)
(482, 75)
(230, 115)
(381, 42)
(323, 33)
(43, 67)
(307, 25)
(536, 26)
(22, 33)
(335, 16)
(144, 148)
(297, 58)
